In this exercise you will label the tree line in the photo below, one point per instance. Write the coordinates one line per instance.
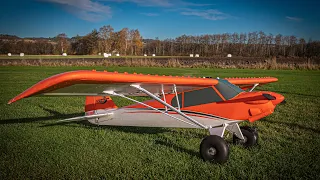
(130, 42)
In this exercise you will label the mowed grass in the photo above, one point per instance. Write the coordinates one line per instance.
(33, 147)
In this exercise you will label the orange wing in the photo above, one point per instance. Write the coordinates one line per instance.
(93, 83)
(88, 83)
(246, 83)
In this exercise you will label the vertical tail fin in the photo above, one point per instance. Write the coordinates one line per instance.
(99, 102)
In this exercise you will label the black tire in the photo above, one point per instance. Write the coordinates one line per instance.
(252, 130)
(215, 149)
(250, 138)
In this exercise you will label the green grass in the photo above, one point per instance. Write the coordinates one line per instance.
(16, 56)
(32, 147)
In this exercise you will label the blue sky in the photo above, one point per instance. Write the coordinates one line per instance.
(160, 18)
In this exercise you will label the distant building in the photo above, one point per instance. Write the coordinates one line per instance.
(115, 51)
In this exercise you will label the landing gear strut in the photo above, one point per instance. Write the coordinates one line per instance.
(214, 148)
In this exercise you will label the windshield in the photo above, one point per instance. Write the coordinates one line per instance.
(227, 89)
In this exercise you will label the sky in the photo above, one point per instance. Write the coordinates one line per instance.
(160, 18)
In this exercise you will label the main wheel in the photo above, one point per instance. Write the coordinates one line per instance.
(250, 137)
(214, 148)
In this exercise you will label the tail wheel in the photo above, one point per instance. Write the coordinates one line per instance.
(215, 149)
(252, 130)
(250, 137)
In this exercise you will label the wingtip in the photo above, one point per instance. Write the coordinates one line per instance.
(11, 101)
(14, 99)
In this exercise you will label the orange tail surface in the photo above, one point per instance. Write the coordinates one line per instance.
(99, 102)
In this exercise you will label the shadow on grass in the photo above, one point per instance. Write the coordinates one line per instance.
(126, 129)
(85, 124)
(294, 125)
(177, 147)
(55, 115)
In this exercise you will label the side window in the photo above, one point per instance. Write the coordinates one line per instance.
(226, 91)
(201, 96)
(174, 100)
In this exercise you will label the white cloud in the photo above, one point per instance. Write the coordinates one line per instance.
(159, 3)
(88, 10)
(150, 14)
(97, 10)
(194, 4)
(210, 14)
(156, 3)
(294, 18)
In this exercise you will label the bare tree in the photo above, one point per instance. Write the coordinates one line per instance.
(105, 34)
(62, 42)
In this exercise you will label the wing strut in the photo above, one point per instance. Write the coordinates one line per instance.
(254, 86)
(175, 91)
(168, 105)
(165, 113)
(164, 97)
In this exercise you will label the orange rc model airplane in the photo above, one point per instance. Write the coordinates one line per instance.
(183, 102)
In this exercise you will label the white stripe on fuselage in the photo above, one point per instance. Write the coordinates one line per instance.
(150, 118)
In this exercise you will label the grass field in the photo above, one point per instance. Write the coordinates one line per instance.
(33, 147)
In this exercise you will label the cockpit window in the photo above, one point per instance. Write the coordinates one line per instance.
(227, 89)
(201, 96)
(174, 101)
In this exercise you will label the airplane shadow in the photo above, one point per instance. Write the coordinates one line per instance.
(55, 115)
(145, 130)
(177, 147)
(293, 125)
(85, 124)
(127, 129)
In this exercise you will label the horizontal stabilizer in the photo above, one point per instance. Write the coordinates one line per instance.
(83, 118)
